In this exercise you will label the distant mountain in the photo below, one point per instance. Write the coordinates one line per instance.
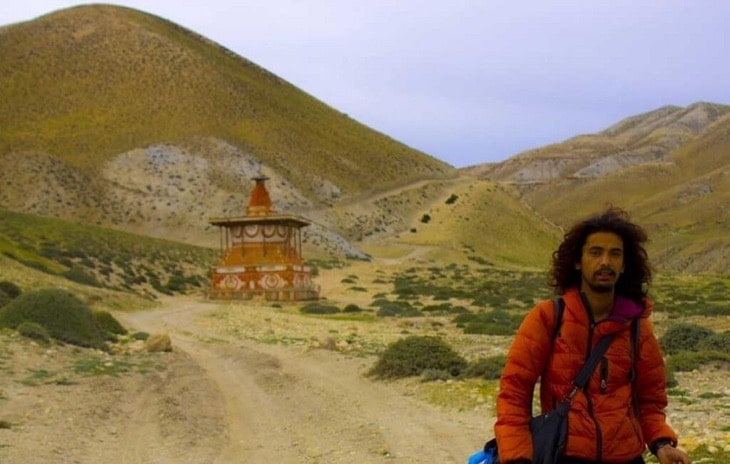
(646, 138)
(88, 84)
(115, 118)
(670, 168)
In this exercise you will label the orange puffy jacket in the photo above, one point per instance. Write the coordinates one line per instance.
(602, 423)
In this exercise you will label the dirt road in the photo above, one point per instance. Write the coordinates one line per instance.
(288, 404)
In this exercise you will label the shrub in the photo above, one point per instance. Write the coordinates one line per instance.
(316, 308)
(486, 368)
(62, 314)
(683, 337)
(351, 308)
(452, 199)
(688, 361)
(496, 322)
(412, 355)
(395, 309)
(140, 336)
(109, 324)
(10, 289)
(35, 331)
(716, 342)
(80, 275)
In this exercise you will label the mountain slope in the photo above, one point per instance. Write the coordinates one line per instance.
(646, 138)
(120, 119)
(88, 83)
(682, 200)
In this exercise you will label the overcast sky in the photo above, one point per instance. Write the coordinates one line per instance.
(470, 81)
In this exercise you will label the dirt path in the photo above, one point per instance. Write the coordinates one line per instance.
(286, 404)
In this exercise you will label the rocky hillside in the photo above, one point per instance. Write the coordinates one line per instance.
(646, 138)
(670, 168)
(89, 84)
(120, 119)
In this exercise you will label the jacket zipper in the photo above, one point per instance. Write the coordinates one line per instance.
(604, 375)
(591, 413)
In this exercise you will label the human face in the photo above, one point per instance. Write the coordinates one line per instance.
(601, 262)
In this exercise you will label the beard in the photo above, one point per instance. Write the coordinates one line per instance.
(601, 288)
(598, 285)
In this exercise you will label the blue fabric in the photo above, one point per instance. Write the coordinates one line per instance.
(482, 457)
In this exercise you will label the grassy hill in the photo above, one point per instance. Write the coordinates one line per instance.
(667, 167)
(123, 120)
(91, 82)
(52, 252)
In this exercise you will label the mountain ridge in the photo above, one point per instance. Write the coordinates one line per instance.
(158, 129)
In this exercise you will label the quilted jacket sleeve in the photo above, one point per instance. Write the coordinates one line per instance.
(651, 387)
(525, 360)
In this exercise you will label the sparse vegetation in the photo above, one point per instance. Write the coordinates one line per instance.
(64, 316)
(34, 331)
(683, 337)
(10, 289)
(317, 308)
(412, 355)
(487, 368)
(109, 324)
(100, 257)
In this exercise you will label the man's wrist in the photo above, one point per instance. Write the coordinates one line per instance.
(662, 442)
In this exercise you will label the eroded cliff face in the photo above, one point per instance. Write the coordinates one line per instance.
(644, 139)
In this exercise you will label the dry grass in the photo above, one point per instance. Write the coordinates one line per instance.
(91, 82)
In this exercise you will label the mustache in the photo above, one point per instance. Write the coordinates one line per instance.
(610, 271)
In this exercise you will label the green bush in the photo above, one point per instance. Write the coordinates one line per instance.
(688, 361)
(486, 368)
(496, 322)
(79, 275)
(62, 314)
(410, 356)
(716, 342)
(35, 331)
(316, 308)
(395, 309)
(109, 324)
(351, 308)
(683, 337)
(452, 199)
(140, 336)
(10, 289)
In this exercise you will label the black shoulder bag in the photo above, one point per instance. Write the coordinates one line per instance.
(550, 430)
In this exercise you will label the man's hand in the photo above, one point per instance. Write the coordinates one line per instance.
(668, 454)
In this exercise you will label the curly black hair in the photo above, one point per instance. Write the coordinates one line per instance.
(636, 276)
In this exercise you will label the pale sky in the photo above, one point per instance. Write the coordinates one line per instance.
(470, 81)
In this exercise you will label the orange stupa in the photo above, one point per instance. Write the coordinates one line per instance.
(261, 254)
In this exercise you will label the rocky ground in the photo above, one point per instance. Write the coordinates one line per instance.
(260, 384)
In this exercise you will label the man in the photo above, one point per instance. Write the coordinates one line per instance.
(601, 271)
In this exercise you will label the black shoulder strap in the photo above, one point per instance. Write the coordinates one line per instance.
(634, 347)
(634, 354)
(590, 365)
(559, 304)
